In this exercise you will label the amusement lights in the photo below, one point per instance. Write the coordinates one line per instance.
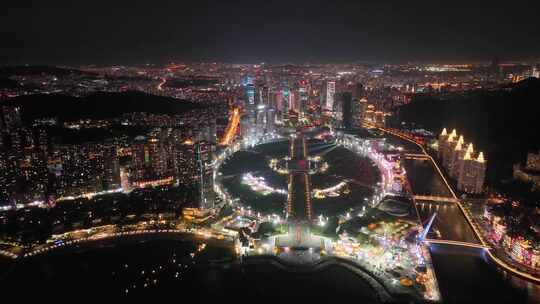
(258, 184)
(329, 192)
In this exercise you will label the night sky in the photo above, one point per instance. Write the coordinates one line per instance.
(134, 32)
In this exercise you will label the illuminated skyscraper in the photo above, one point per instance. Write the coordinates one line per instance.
(8, 177)
(472, 173)
(140, 161)
(251, 109)
(205, 175)
(535, 72)
(250, 102)
(244, 127)
(270, 120)
(359, 111)
(285, 102)
(447, 143)
(261, 119)
(111, 166)
(302, 98)
(272, 102)
(330, 92)
(264, 95)
(250, 97)
(443, 137)
(461, 163)
(456, 157)
(271, 111)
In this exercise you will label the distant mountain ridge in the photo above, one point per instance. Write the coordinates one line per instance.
(25, 70)
(98, 106)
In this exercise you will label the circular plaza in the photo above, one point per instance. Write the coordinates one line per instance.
(257, 177)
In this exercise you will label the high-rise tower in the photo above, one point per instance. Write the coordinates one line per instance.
(346, 109)
(205, 174)
(286, 102)
(330, 92)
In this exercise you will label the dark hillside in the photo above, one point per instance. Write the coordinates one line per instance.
(98, 106)
(504, 123)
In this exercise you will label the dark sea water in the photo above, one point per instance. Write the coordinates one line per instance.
(119, 269)
(466, 275)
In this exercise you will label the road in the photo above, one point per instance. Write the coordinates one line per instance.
(299, 193)
(232, 128)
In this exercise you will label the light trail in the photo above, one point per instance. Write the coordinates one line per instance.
(160, 85)
(232, 128)
(322, 193)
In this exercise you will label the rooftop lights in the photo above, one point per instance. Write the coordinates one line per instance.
(480, 157)
(444, 133)
(470, 148)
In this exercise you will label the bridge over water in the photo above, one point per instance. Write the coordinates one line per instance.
(465, 217)
(436, 198)
(457, 243)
